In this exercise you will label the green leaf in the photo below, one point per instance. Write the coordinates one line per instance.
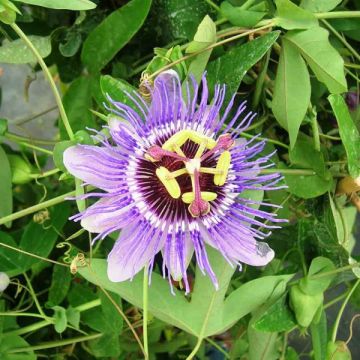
(317, 6)
(204, 37)
(60, 320)
(62, 4)
(58, 153)
(117, 89)
(39, 239)
(304, 155)
(111, 315)
(277, 317)
(207, 313)
(228, 70)
(319, 337)
(73, 316)
(6, 201)
(290, 16)
(262, 345)
(8, 258)
(292, 90)
(17, 52)
(77, 103)
(179, 18)
(240, 17)
(318, 285)
(3, 126)
(14, 342)
(348, 132)
(106, 346)
(113, 33)
(323, 59)
(60, 285)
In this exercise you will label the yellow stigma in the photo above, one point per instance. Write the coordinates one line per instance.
(189, 197)
(171, 184)
(222, 166)
(180, 138)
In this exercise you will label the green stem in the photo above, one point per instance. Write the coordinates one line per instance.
(335, 300)
(327, 273)
(195, 350)
(33, 295)
(46, 71)
(247, 4)
(19, 138)
(338, 318)
(89, 305)
(338, 14)
(49, 321)
(53, 344)
(45, 174)
(268, 25)
(23, 121)
(306, 172)
(213, 5)
(260, 80)
(259, 138)
(35, 208)
(37, 148)
(19, 313)
(145, 311)
(342, 39)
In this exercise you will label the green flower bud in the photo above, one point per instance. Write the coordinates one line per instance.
(20, 169)
(305, 306)
(338, 351)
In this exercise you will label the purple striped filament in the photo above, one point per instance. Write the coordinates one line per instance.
(171, 175)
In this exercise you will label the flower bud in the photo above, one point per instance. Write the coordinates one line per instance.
(21, 170)
(305, 306)
(338, 350)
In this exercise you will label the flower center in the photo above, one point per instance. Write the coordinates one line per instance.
(199, 201)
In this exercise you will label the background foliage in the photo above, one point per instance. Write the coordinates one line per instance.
(297, 64)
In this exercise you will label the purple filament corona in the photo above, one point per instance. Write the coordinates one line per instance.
(172, 174)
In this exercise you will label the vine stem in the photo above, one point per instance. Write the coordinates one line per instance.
(338, 14)
(195, 349)
(342, 308)
(46, 71)
(212, 46)
(145, 311)
(35, 208)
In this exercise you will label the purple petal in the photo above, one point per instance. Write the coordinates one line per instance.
(136, 247)
(97, 166)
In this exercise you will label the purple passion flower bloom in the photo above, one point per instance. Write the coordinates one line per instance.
(171, 173)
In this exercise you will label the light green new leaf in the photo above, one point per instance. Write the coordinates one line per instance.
(113, 33)
(230, 68)
(292, 90)
(290, 16)
(17, 52)
(62, 4)
(6, 202)
(324, 60)
(348, 132)
(317, 6)
(240, 17)
(204, 37)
